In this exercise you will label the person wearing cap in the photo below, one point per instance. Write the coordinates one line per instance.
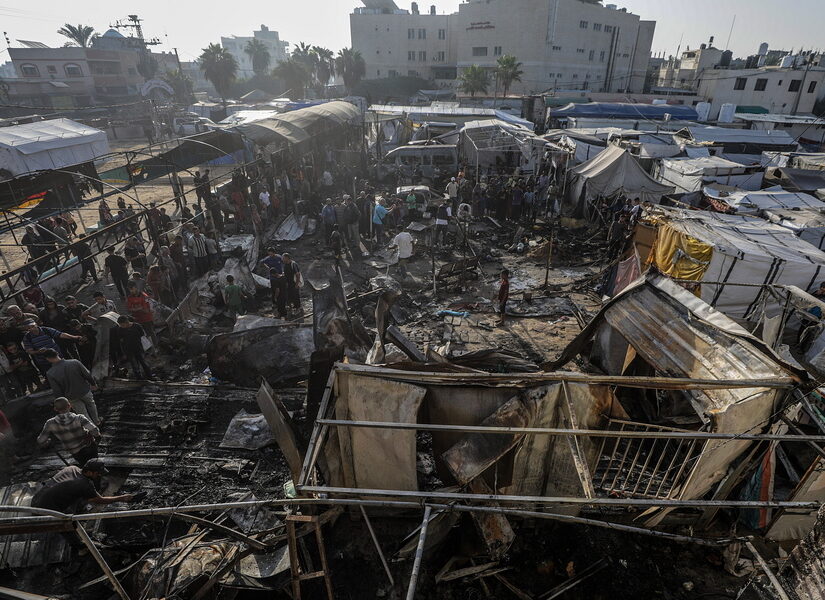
(76, 433)
(69, 378)
(73, 487)
(39, 339)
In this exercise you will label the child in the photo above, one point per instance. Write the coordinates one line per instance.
(503, 294)
(234, 297)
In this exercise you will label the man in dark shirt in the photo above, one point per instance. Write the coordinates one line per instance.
(126, 338)
(74, 309)
(503, 295)
(83, 253)
(118, 268)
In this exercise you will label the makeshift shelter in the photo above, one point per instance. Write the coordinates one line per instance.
(740, 141)
(797, 180)
(613, 172)
(488, 143)
(48, 145)
(725, 250)
(813, 161)
(626, 110)
(692, 174)
(302, 125)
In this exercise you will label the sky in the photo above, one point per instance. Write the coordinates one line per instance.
(190, 26)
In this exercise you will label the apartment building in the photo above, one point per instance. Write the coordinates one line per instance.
(562, 44)
(236, 45)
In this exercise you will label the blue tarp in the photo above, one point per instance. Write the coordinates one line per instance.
(626, 110)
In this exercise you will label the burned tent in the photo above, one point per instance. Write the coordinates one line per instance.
(726, 250)
(757, 202)
(614, 172)
(797, 180)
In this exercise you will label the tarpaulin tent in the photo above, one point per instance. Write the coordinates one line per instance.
(301, 125)
(755, 202)
(46, 145)
(692, 174)
(814, 161)
(626, 110)
(611, 173)
(727, 249)
(740, 141)
(798, 180)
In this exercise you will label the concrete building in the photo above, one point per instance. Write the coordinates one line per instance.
(787, 91)
(236, 45)
(683, 73)
(562, 44)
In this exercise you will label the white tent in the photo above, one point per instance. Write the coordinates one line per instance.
(754, 202)
(744, 250)
(46, 145)
(692, 174)
(613, 172)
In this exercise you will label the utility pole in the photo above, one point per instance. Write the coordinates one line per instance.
(177, 58)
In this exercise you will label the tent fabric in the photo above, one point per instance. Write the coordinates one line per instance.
(692, 174)
(301, 125)
(45, 145)
(806, 224)
(754, 202)
(613, 171)
(724, 135)
(679, 255)
(745, 250)
(625, 110)
(801, 180)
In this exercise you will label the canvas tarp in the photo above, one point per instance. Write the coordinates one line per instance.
(46, 145)
(807, 224)
(614, 171)
(692, 174)
(727, 249)
(754, 202)
(301, 125)
(798, 180)
(623, 110)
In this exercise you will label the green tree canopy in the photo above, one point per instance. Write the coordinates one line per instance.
(509, 71)
(82, 35)
(474, 79)
(219, 67)
(182, 85)
(295, 75)
(259, 54)
(350, 65)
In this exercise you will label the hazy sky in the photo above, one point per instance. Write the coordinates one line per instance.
(192, 25)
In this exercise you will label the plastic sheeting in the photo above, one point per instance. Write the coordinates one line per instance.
(46, 145)
(301, 125)
(692, 174)
(622, 110)
(753, 202)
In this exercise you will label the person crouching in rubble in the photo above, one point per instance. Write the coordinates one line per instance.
(76, 433)
(503, 295)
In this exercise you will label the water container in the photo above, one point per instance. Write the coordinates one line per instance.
(727, 112)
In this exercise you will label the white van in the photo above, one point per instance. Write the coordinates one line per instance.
(432, 162)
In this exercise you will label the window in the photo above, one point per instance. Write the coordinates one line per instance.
(422, 56)
(601, 56)
(480, 51)
(740, 84)
(587, 76)
(608, 28)
(557, 48)
(592, 55)
(412, 73)
(580, 50)
(760, 85)
(796, 85)
(411, 34)
(422, 34)
(73, 70)
(575, 76)
(393, 73)
(442, 34)
(442, 56)
(29, 71)
(497, 51)
(811, 87)
(411, 55)
(597, 26)
(584, 24)
(51, 69)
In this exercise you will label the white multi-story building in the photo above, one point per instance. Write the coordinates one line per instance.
(236, 45)
(562, 44)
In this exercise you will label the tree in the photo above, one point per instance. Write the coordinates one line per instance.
(219, 67)
(474, 79)
(295, 75)
(350, 65)
(182, 85)
(324, 66)
(508, 70)
(81, 35)
(259, 54)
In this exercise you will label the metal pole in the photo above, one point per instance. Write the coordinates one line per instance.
(549, 257)
(377, 545)
(419, 553)
(780, 591)
(87, 541)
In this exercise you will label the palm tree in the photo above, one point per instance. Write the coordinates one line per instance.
(474, 79)
(82, 35)
(259, 54)
(295, 74)
(324, 60)
(182, 85)
(351, 66)
(508, 70)
(219, 67)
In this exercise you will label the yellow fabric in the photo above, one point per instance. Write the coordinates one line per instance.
(680, 256)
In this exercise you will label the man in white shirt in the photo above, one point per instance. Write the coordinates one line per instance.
(198, 251)
(452, 192)
(404, 242)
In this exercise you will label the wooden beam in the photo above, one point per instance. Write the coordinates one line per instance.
(90, 545)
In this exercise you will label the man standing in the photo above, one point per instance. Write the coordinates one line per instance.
(83, 253)
(127, 338)
(293, 281)
(379, 216)
(233, 296)
(266, 205)
(278, 285)
(117, 268)
(99, 307)
(328, 218)
(137, 303)
(452, 193)
(77, 434)
(442, 221)
(38, 340)
(69, 378)
(199, 252)
(503, 295)
(404, 242)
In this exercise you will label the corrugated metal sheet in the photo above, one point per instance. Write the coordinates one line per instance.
(30, 549)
